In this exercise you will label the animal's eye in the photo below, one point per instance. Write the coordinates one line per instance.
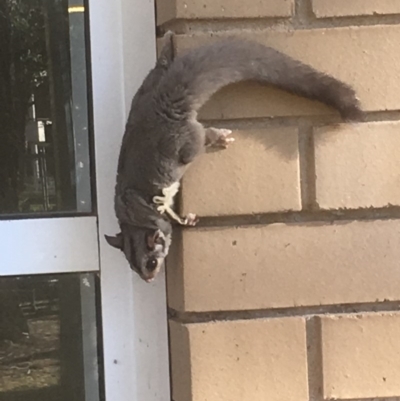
(151, 264)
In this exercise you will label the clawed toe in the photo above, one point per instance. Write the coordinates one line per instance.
(224, 141)
(219, 137)
(191, 219)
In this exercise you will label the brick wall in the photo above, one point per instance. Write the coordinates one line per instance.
(289, 289)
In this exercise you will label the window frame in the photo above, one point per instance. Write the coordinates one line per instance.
(122, 48)
(136, 360)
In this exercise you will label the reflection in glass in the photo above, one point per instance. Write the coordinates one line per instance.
(44, 142)
(48, 338)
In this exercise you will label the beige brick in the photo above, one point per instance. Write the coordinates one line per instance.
(220, 9)
(359, 166)
(239, 360)
(258, 173)
(342, 8)
(282, 265)
(361, 356)
(366, 57)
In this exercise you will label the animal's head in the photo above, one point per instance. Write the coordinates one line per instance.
(145, 249)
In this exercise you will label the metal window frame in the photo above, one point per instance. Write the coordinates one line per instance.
(135, 327)
(134, 313)
(65, 245)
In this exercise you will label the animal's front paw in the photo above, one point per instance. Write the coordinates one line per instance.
(191, 220)
(218, 137)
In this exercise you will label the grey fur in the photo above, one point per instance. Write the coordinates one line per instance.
(163, 136)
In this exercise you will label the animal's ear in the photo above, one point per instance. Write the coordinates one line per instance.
(116, 242)
(167, 51)
(153, 238)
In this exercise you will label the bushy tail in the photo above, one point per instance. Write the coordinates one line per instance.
(195, 76)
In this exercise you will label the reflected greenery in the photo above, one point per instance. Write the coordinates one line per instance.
(38, 142)
(48, 338)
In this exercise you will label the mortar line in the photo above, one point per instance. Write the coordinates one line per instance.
(295, 121)
(314, 358)
(384, 306)
(232, 25)
(340, 216)
(279, 121)
(367, 399)
(303, 14)
(307, 168)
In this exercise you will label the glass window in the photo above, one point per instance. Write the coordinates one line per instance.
(49, 346)
(44, 130)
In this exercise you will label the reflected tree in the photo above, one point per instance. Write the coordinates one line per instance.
(37, 160)
(23, 63)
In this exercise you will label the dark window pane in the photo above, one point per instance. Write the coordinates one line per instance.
(44, 139)
(48, 338)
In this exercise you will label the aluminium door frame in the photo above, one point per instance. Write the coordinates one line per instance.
(134, 313)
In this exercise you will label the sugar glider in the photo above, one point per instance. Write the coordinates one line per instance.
(162, 135)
